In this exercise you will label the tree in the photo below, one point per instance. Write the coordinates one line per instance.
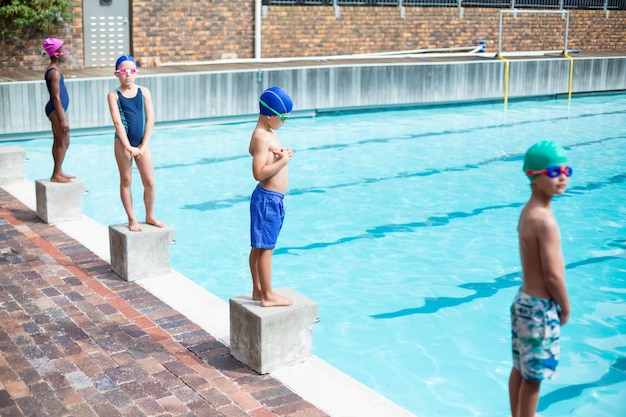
(30, 18)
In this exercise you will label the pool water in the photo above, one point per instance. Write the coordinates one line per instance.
(402, 226)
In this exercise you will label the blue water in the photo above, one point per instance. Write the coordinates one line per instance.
(402, 226)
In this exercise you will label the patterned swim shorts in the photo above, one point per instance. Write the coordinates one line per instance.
(535, 332)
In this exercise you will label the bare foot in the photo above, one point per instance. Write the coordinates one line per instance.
(276, 300)
(59, 178)
(68, 176)
(154, 222)
(134, 226)
(256, 295)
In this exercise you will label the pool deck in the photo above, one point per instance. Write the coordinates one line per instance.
(77, 340)
(268, 64)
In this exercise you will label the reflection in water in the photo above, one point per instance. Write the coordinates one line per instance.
(482, 290)
(615, 375)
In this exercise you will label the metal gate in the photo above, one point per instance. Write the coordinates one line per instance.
(106, 31)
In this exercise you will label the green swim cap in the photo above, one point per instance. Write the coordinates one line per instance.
(542, 155)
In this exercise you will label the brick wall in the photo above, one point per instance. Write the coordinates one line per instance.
(315, 31)
(191, 30)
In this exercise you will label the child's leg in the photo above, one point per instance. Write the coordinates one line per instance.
(124, 164)
(254, 271)
(61, 141)
(515, 382)
(146, 170)
(528, 398)
(269, 298)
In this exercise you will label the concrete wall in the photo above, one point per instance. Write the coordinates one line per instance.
(193, 30)
(234, 95)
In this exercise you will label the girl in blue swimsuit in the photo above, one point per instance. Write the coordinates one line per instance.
(133, 117)
(57, 106)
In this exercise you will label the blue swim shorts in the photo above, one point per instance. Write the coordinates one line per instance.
(267, 213)
(535, 333)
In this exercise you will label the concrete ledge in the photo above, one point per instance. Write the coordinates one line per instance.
(270, 338)
(144, 254)
(11, 164)
(59, 202)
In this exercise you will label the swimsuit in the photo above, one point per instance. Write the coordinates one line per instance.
(133, 114)
(267, 213)
(65, 98)
(535, 332)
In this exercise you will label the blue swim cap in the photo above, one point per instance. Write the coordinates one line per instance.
(277, 99)
(124, 58)
(542, 155)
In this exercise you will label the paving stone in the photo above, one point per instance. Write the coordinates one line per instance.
(133, 389)
(83, 410)
(11, 411)
(106, 410)
(5, 399)
(154, 389)
(118, 399)
(103, 383)
(150, 406)
(173, 405)
(57, 380)
(31, 407)
(78, 380)
(43, 365)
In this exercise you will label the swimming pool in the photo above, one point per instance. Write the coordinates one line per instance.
(401, 225)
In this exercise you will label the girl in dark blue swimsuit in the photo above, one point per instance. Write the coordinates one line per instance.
(133, 117)
(57, 106)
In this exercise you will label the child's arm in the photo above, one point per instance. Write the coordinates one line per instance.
(259, 148)
(120, 130)
(55, 93)
(553, 265)
(147, 101)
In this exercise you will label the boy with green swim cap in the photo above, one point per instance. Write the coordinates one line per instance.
(541, 306)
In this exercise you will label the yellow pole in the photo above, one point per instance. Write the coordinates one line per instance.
(506, 80)
(571, 75)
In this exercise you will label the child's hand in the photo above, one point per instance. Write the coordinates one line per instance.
(135, 152)
(283, 153)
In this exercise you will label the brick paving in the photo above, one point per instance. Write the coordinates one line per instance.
(77, 340)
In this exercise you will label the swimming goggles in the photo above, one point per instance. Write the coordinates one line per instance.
(127, 71)
(552, 172)
(64, 53)
(283, 117)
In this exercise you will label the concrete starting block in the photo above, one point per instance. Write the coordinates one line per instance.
(144, 254)
(270, 338)
(11, 164)
(59, 202)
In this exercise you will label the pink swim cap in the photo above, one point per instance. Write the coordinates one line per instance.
(51, 45)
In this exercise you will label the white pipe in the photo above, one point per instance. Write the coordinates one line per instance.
(421, 53)
(257, 29)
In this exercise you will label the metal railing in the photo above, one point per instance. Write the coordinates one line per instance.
(500, 4)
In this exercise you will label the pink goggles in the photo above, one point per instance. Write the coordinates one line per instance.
(127, 71)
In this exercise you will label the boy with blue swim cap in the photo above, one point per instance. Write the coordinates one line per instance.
(541, 306)
(269, 168)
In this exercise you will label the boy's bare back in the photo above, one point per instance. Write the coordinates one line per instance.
(540, 249)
